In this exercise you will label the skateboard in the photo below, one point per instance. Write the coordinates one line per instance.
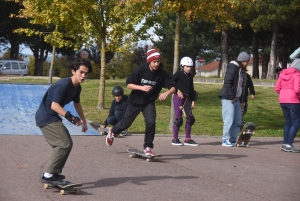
(140, 154)
(65, 189)
(245, 135)
(104, 131)
(186, 107)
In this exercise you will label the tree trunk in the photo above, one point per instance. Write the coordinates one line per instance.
(224, 64)
(101, 105)
(176, 62)
(285, 55)
(273, 53)
(14, 47)
(264, 68)
(220, 68)
(255, 73)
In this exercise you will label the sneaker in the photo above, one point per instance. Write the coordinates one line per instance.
(53, 181)
(283, 147)
(109, 138)
(291, 148)
(226, 143)
(124, 133)
(176, 142)
(233, 143)
(190, 142)
(148, 151)
(59, 176)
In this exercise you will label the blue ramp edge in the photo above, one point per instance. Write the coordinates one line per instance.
(18, 104)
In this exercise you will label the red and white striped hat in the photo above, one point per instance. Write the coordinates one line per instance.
(152, 54)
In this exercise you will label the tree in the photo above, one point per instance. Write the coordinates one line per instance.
(97, 23)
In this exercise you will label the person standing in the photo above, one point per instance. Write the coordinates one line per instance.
(48, 119)
(230, 94)
(117, 109)
(146, 81)
(183, 80)
(248, 86)
(288, 88)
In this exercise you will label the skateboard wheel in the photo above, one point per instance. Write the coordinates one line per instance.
(77, 191)
(62, 192)
(237, 145)
(148, 160)
(46, 186)
(247, 145)
(130, 156)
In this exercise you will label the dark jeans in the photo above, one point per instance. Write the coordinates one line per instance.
(113, 120)
(291, 112)
(132, 111)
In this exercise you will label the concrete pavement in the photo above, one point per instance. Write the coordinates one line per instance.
(206, 172)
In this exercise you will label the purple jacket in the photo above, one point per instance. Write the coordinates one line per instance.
(288, 86)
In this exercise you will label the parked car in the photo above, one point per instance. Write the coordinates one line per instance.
(13, 67)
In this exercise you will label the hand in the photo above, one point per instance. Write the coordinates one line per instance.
(242, 105)
(193, 105)
(233, 100)
(146, 88)
(163, 96)
(74, 120)
(84, 126)
(252, 97)
(179, 94)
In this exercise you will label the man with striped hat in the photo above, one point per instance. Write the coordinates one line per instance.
(146, 81)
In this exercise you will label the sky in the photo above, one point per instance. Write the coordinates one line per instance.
(25, 50)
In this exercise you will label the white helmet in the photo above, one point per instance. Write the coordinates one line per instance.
(186, 61)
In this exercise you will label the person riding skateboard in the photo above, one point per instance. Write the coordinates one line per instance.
(146, 81)
(49, 121)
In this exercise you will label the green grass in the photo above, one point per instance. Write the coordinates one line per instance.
(264, 111)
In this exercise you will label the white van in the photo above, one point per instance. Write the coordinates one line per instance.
(13, 67)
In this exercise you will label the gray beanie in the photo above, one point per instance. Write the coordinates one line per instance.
(243, 56)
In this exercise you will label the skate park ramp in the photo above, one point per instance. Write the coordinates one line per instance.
(18, 104)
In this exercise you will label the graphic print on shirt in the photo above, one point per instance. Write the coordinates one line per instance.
(147, 82)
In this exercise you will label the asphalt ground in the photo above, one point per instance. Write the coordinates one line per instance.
(206, 172)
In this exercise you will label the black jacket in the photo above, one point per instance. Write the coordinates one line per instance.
(142, 75)
(247, 85)
(184, 82)
(121, 106)
(231, 82)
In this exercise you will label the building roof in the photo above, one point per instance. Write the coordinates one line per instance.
(215, 64)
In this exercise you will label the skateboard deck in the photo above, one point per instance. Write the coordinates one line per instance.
(246, 134)
(186, 107)
(70, 187)
(140, 154)
(104, 131)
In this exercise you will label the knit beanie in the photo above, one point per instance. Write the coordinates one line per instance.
(152, 54)
(243, 56)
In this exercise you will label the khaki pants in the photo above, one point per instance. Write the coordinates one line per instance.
(59, 138)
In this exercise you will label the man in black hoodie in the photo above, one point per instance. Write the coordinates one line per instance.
(146, 81)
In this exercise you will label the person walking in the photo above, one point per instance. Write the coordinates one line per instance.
(288, 88)
(48, 119)
(230, 94)
(146, 81)
(183, 80)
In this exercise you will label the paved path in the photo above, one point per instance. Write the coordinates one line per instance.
(207, 172)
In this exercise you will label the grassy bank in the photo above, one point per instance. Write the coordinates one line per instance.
(264, 110)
